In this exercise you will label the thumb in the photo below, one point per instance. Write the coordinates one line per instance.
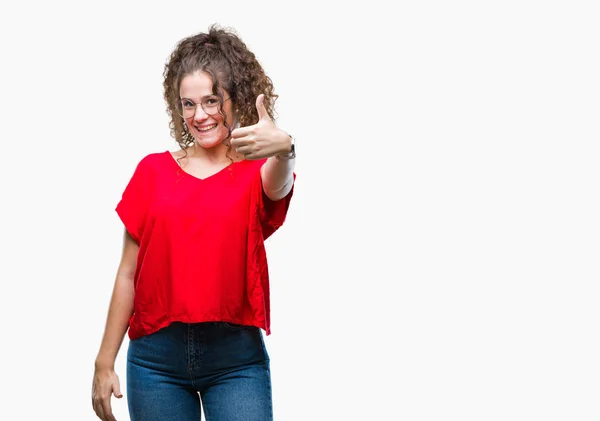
(260, 107)
(117, 390)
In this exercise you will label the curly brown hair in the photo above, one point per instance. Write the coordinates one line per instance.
(224, 56)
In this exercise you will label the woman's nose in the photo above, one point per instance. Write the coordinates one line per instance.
(200, 113)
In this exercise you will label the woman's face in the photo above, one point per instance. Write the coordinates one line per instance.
(208, 129)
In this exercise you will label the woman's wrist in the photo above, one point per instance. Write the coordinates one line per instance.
(289, 152)
(104, 364)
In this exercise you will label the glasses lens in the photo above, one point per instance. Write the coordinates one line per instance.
(211, 105)
(186, 109)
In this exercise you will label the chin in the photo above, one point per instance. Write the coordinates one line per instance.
(208, 144)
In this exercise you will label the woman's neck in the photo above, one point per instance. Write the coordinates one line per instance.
(215, 155)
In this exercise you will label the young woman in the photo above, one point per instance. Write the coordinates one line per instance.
(192, 287)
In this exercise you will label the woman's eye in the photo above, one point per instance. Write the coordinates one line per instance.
(212, 101)
(188, 104)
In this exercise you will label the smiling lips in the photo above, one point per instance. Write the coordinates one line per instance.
(206, 128)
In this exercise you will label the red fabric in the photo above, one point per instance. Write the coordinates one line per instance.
(202, 254)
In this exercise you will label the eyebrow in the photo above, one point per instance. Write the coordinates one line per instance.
(205, 96)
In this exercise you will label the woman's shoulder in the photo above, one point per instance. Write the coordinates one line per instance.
(176, 154)
(153, 158)
(148, 163)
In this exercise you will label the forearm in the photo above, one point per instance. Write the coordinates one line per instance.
(278, 177)
(119, 313)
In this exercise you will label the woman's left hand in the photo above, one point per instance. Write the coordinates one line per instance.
(261, 140)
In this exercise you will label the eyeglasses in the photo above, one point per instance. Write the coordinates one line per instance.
(186, 108)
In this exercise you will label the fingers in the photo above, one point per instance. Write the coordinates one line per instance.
(241, 132)
(252, 131)
(251, 151)
(243, 145)
(103, 408)
(102, 391)
(244, 150)
(107, 409)
(96, 404)
(240, 142)
(98, 407)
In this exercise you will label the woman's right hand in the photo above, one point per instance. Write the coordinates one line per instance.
(105, 384)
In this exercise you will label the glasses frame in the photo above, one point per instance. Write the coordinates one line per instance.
(180, 107)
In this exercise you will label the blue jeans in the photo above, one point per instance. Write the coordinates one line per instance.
(220, 367)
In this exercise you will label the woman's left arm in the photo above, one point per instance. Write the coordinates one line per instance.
(278, 176)
(265, 140)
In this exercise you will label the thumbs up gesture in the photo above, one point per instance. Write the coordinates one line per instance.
(261, 140)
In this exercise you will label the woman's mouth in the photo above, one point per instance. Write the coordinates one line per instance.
(207, 129)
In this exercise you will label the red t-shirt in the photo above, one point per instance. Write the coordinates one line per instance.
(202, 254)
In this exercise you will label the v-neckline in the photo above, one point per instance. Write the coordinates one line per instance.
(174, 161)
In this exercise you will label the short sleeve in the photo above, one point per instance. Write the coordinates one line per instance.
(133, 206)
(271, 213)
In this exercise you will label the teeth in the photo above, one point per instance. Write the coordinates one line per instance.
(207, 129)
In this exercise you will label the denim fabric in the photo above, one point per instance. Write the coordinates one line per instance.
(220, 368)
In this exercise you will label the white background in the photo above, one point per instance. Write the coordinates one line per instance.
(440, 256)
